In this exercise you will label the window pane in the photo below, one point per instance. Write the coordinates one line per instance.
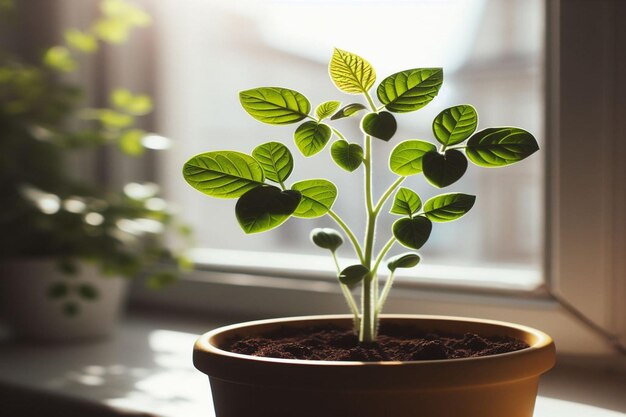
(492, 55)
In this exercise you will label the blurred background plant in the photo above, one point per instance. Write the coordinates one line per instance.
(50, 209)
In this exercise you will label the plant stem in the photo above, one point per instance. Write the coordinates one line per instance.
(388, 193)
(370, 101)
(348, 232)
(366, 333)
(385, 293)
(338, 134)
(348, 296)
(383, 252)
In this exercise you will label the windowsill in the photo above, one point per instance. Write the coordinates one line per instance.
(147, 369)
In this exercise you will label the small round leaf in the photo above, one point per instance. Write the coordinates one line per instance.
(443, 170)
(412, 233)
(326, 109)
(353, 274)
(410, 90)
(275, 105)
(455, 124)
(265, 207)
(406, 202)
(500, 146)
(348, 156)
(88, 292)
(326, 238)
(350, 73)
(380, 125)
(406, 157)
(275, 159)
(404, 260)
(448, 207)
(311, 137)
(318, 196)
(348, 110)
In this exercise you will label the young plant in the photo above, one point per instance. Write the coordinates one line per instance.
(262, 206)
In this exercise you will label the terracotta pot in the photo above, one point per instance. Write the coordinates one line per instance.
(32, 314)
(503, 385)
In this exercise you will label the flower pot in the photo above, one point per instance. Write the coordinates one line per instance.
(503, 385)
(32, 313)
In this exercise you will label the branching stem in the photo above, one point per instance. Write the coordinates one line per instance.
(388, 193)
(348, 232)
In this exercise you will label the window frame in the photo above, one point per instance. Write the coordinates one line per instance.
(583, 318)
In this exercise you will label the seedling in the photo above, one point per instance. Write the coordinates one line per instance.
(265, 202)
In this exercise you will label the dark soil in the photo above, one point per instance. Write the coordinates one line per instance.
(331, 343)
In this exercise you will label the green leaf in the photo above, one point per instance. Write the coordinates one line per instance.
(500, 146)
(275, 159)
(275, 105)
(84, 42)
(406, 202)
(265, 207)
(326, 109)
(318, 197)
(412, 233)
(112, 30)
(353, 274)
(58, 290)
(137, 105)
(455, 124)
(348, 156)
(448, 207)
(114, 120)
(410, 90)
(88, 292)
(130, 142)
(404, 260)
(59, 58)
(443, 170)
(326, 238)
(351, 73)
(406, 158)
(161, 280)
(311, 137)
(223, 174)
(380, 125)
(347, 111)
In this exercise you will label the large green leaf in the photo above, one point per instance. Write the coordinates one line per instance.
(348, 156)
(265, 207)
(406, 158)
(443, 170)
(311, 137)
(410, 90)
(326, 109)
(406, 202)
(404, 260)
(412, 233)
(380, 125)
(223, 174)
(455, 124)
(318, 196)
(275, 159)
(500, 146)
(448, 207)
(351, 73)
(353, 274)
(347, 111)
(275, 105)
(326, 238)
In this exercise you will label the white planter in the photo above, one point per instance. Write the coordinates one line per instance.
(32, 314)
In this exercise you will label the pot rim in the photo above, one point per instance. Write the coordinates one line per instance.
(204, 342)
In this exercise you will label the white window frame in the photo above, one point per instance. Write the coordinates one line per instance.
(585, 236)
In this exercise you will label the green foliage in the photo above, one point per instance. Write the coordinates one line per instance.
(350, 73)
(223, 174)
(50, 211)
(318, 197)
(380, 125)
(353, 274)
(263, 207)
(412, 232)
(348, 156)
(406, 157)
(406, 202)
(500, 146)
(448, 207)
(404, 260)
(326, 238)
(275, 105)
(326, 109)
(410, 90)
(443, 170)
(347, 111)
(454, 125)
(275, 159)
(311, 137)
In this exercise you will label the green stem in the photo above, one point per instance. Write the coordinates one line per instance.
(385, 293)
(383, 252)
(348, 296)
(367, 330)
(348, 232)
(388, 193)
(338, 134)
(370, 101)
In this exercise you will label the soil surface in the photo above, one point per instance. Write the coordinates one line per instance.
(329, 343)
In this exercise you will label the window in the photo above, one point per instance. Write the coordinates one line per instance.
(492, 55)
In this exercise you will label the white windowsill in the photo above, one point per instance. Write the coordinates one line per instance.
(147, 369)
